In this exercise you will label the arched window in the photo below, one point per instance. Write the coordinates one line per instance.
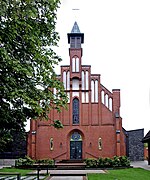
(64, 79)
(103, 97)
(87, 80)
(92, 88)
(106, 100)
(75, 64)
(68, 81)
(110, 104)
(96, 91)
(75, 113)
(83, 80)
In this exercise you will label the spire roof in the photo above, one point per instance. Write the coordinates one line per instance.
(75, 32)
(75, 28)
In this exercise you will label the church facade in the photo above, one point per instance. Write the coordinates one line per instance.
(92, 123)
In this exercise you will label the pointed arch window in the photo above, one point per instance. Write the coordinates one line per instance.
(75, 64)
(75, 113)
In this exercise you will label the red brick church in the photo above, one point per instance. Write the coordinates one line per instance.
(92, 123)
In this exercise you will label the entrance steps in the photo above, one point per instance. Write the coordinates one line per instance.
(70, 165)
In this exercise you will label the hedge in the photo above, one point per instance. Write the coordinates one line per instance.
(116, 161)
(27, 161)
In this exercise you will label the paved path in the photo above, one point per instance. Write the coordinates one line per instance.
(3, 166)
(135, 164)
(67, 178)
(141, 164)
(78, 172)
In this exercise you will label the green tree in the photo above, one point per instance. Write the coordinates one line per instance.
(27, 76)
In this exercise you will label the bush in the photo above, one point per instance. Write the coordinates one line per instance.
(100, 162)
(124, 161)
(107, 162)
(45, 161)
(25, 161)
(116, 161)
(91, 162)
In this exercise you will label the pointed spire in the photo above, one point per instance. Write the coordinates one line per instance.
(75, 32)
(75, 28)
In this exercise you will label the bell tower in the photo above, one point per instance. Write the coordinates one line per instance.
(75, 39)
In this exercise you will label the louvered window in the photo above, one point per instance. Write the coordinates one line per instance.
(75, 42)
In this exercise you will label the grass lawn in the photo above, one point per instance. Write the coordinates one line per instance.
(22, 171)
(122, 174)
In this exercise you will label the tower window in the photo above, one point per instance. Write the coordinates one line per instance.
(78, 42)
(75, 42)
(75, 115)
(75, 64)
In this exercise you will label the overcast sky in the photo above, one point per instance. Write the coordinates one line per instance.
(117, 46)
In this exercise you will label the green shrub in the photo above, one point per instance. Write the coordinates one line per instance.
(124, 161)
(100, 162)
(91, 162)
(45, 161)
(25, 161)
(121, 161)
(108, 162)
(116, 161)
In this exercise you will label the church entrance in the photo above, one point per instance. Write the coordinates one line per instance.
(76, 146)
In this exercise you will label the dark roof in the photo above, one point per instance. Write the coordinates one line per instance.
(75, 28)
(146, 138)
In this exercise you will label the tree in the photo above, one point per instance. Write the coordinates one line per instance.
(27, 36)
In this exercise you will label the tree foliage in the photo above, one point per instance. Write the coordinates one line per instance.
(27, 35)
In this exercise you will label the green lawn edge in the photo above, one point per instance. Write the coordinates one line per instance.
(23, 172)
(122, 174)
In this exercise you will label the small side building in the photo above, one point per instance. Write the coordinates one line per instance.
(134, 145)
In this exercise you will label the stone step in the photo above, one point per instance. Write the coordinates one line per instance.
(71, 161)
(68, 165)
(70, 168)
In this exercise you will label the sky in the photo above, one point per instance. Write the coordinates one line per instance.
(117, 46)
